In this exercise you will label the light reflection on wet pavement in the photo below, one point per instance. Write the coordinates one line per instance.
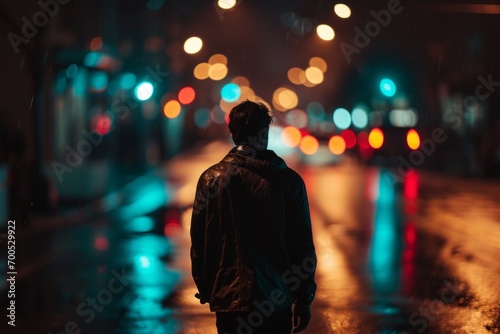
(418, 256)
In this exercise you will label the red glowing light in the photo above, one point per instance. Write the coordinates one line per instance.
(103, 125)
(186, 95)
(349, 138)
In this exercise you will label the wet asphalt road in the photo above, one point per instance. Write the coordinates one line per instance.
(411, 254)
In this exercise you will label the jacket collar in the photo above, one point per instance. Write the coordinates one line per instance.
(249, 157)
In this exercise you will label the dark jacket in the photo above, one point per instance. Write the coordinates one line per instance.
(251, 234)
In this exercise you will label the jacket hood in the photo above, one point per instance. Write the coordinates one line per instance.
(251, 158)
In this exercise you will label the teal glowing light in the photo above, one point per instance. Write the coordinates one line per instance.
(71, 71)
(127, 80)
(98, 80)
(143, 91)
(92, 59)
(359, 118)
(342, 118)
(387, 87)
(230, 92)
(202, 117)
(145, 262)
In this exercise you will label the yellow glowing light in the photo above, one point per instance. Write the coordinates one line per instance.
(376, 138)
(337, 145)
(309, 145)
(325, 32)
(193, 45)
(291, 136)
(413, 139)
(304, 80)
(288, 99)
(226, 4)
(217, 71)
(217, 59)
(319, 63)
(227, 106)
(172, 109)
(201, 71)
(342, 11)
(247, 93)
(294, 75)
(241, 81)
(314, 75)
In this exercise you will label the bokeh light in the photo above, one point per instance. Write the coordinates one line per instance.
(192, 45)
(226, 4)
(284, 99)
(296, 118)
(342, 11)
(201, 71)
(359, 118)
(309, 145)
(103, 124)
(186, 95)
(363, 140)
(217, 71)
(314, 75)
(319, 63)
(413, 139)
(349, 137)
(172, 109)
(96, 43)
(291, 136)
(294, 75)
(241, 81)
(337, 145)
(376, 138)
(315, 111)
(231, 92)
(127, 80)
(325, 32)
(387, 87)
(202, 117)
(217, 59)
(342, 118)
(144, 90)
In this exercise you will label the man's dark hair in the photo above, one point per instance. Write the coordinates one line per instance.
(247, 119)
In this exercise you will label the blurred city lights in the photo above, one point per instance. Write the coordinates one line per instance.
(284, 99)
(72, 71)
(103, 124)
(241, 81)
(319, 63)
(349, 137)
(315, 111)
(144, 91)
(186, 95)
(217, 59)
(296, 118)
(96, 43)
(359, 118)
(98, 81)
(342, 118)
(91, 59)
(314, 75)
(218, 115)
(294, 75)
(145, 261)
(337, 145)
(342, 11)
(247, 93)
(231, 92)
(403, 117)
(192, 45)
(172, 109)
(291, 136)
(376, 138)
(363, 140)
(101, 243)
(202, 117)
(226, 4)
(413, 139)
(127, 80)
(325, 32)
(201, 71)
(217, 71)
(387, 87)
(309, 145)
